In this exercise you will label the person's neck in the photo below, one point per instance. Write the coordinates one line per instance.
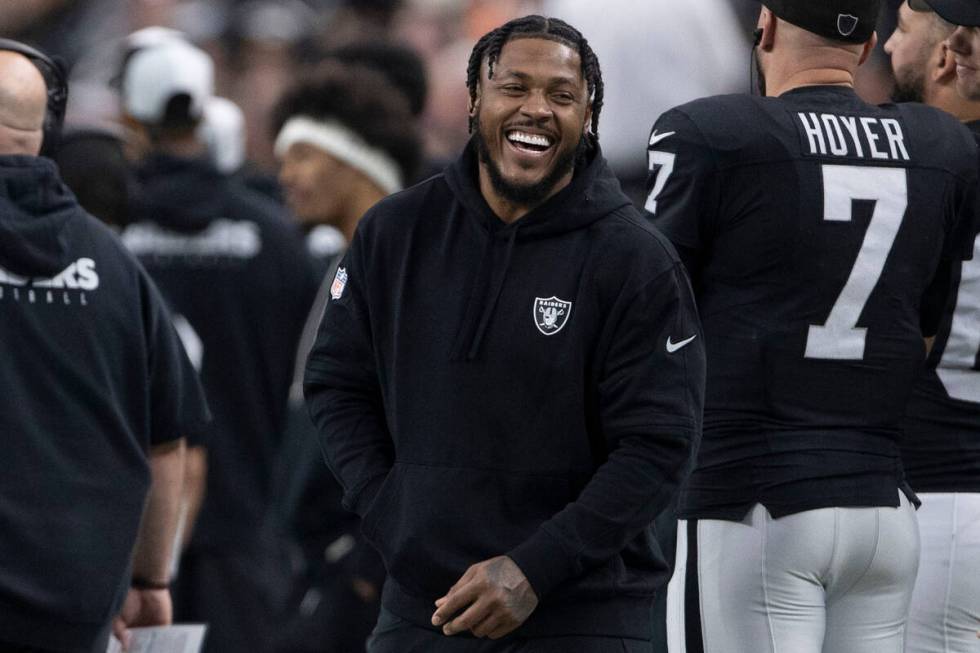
(816, 66)
(946, 98)
(813, 77)
(506, 210)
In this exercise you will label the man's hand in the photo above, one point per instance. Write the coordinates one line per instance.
(494, 597)
(142, 607)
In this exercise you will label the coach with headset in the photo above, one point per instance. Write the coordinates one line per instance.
(96, 395)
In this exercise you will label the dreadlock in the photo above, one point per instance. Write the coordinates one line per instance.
(552, 29)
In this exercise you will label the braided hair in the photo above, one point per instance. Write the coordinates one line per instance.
(552, 29)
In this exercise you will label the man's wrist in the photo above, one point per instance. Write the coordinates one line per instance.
(142, 583)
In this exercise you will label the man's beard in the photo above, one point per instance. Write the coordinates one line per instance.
(909, 90)
(527, 194)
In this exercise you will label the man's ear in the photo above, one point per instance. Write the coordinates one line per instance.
(588, 120)
(869, 47)
(942, 67)
(767, 23)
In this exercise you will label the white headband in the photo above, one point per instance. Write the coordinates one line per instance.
(344, 144)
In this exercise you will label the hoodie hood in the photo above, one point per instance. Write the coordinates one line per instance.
(35, 210)
(179, 193)
(593, 193)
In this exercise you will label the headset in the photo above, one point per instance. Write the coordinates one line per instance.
(56, 79)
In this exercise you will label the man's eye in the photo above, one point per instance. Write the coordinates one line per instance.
(563, 98)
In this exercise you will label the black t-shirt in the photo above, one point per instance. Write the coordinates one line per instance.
(812, 225)
(941, 447)
(240, 284)
(93, 376)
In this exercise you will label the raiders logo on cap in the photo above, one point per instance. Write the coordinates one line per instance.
(846, 24)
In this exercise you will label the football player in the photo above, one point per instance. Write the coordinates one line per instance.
(941, 449)
(813, 225)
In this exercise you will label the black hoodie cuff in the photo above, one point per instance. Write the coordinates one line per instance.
(544, 562)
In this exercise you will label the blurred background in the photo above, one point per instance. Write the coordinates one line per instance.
(654, 54)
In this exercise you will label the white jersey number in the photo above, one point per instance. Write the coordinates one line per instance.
(957, 368)
(839, 338)
(666, 162)
(191, 341)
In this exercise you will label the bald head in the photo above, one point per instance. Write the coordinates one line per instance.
(23, 102)
(790, 56)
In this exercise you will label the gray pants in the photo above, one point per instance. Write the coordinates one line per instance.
(396, 635)
(945, 615)
(833, 580)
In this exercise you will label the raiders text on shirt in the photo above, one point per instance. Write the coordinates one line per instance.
(236, 239)
(863, 137)
(79, 276)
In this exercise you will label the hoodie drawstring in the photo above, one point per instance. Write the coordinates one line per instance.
(494, 296)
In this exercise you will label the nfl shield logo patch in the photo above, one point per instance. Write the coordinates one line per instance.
(339, 283)
(551, 315)
(846, 24)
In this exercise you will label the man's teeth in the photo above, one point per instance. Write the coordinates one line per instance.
(529, 139)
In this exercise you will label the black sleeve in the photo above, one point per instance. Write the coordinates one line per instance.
(176, 397)
(681, 186)
(936, 298)
(651, 395)
(342, 390)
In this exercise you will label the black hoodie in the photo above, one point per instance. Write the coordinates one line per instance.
(530, 389)
(236, 271)
(93, 374)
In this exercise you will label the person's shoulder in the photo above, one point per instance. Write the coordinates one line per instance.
(722, 114)
(244, 203)
(629, 238)
(102, 239)
(719, 107)
(938, 138)
(725, 125)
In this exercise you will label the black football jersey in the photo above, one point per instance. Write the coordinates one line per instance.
(813, 225)
(941, 448)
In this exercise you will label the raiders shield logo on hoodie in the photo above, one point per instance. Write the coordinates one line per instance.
(551, 314)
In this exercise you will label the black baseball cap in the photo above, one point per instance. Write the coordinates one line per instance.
(957, 12)
(851, 21)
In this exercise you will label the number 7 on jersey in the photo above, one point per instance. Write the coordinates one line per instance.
(839, 338)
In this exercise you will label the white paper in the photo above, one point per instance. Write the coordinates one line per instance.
(182, 638)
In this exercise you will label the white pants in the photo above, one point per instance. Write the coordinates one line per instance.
(833, 580)
(945, 615)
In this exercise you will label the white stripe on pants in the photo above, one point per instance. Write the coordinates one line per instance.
(833, 580)
(945, 615)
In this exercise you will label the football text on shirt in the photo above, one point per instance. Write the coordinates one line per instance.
(79, 276)
(827, 134)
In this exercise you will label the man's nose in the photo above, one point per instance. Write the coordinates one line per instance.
(536, 106)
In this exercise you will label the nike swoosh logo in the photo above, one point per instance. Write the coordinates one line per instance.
(674, 346)
(656, 138)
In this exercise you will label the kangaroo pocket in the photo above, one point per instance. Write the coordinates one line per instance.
(430, 523)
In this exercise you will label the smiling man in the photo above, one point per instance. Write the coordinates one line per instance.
(509, 375)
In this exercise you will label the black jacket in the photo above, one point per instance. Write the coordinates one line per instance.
(93, 375)
(484, 389)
